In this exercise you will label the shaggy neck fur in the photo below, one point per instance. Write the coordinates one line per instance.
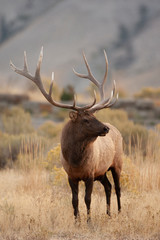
(74, 145)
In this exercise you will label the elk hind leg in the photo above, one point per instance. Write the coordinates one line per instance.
(107, 187)
(116, 177)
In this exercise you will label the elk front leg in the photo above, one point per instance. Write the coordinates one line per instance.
(74, 187)
(88, 192)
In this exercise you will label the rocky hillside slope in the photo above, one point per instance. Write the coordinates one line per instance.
(128, 30)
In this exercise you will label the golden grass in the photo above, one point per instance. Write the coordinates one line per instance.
(34, 207)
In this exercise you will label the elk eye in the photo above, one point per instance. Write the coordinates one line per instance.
(86, 121)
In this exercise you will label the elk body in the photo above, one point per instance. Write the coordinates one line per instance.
(89, 147)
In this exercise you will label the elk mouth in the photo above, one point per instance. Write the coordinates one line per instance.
(104, 132)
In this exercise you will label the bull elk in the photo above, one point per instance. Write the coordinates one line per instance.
(89, 148)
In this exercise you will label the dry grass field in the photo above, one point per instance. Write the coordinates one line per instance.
(35, 199)
(30, 208)
(36, 205)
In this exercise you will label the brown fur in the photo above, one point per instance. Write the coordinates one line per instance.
(85, 154)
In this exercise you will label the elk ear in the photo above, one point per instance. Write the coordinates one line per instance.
(73, 116)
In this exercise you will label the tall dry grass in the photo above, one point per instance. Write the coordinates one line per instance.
(31, 209)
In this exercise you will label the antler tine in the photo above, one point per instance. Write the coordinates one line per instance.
(23, 72)
(115, 100)
(114, 87)
(85, 107)
(13, 67)
(106, 72)
(88, 76)
(106, 103)
(102, 104)
(105, 76)
(37, 73)
(109, 103)
(25, 62)
(93, 103)
(51, 85)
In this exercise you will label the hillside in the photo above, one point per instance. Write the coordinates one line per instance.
(129, 31)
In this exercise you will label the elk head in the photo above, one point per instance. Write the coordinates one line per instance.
(83, 115)
(87, 124)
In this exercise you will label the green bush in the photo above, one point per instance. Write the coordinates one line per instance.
(68, 93)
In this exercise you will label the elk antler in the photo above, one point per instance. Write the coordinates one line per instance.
(37, 80)
(104, 103)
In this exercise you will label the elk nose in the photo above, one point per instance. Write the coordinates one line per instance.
(106, 129)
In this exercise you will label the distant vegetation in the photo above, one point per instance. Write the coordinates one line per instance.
(17, 128)
(149, 92)
(67, 93)
(16, 121)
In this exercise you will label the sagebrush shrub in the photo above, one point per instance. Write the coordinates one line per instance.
(16, 121)
(49, 129)
(134, 135)
(9, 148)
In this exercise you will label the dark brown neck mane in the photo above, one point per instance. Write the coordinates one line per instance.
(75, 145)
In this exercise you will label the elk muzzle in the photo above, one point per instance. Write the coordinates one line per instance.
(104, 131)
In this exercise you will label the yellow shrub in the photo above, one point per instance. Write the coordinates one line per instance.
(59, 176)
(149, 92)
(53, 164)
(130, 176)
(53, 158)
